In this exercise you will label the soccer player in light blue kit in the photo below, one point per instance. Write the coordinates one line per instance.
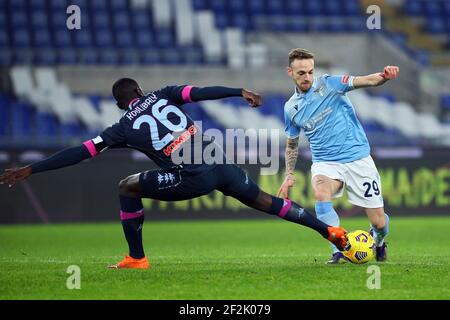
(340, 149)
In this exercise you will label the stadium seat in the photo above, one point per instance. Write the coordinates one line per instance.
(62, 38)
(67, 57)
(46, 57)
(21, 38)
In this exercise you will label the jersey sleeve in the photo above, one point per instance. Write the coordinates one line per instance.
(343, 83)
(291, 130)
(178, 94)
(111, 137)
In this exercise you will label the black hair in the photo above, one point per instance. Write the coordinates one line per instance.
(124, 90)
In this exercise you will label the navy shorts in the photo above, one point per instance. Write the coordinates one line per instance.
(175, 184)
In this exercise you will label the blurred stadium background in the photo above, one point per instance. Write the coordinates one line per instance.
(55, 91)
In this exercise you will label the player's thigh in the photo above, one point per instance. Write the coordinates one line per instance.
(364, 184)
(327, 180)
(174, 184)
(235, 182)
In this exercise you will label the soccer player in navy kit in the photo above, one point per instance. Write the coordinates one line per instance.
(156, 125)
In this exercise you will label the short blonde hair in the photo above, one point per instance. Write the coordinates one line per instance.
(299, 54)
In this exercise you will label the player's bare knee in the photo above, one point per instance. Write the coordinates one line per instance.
(123, 187)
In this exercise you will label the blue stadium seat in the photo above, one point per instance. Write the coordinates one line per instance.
(150, 57)
(23, 56)
(237, 6)
(18, 20)
(4, 38)
(46, 125)
(295, 8)
(218, 5)
(333, 8)
(58, 5)
(241, 21)
(141, 20)
(62, 38)
(192, 55)
(6, 57)
(21, 38)
(21, 119)
(352, 8)
(432, 8)
(98, 5)
(275, 7)
(171, 56)
(103, 38)
(221, 20)
(39, 19)
(3, 20)
(100, 19)
(118, 5)
(200, 4)
(144, 39)
(164, 38)
(71, 129)
(121, 20)
(82, 38)
(88, 56)
(256, 6)
(41, 38)
(129, 57)
(413, 7)
(278, 23)
(436, 25)
(38, 5)
(108, 57)
(67, 56)
(46, 57)
(18, 5)
(445, 101)
(297, 23)
(4, 114)
(83, 4)
(124, 39)
(313, 8)
(59, 21)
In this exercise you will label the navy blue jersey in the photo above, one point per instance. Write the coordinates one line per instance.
(157, 126)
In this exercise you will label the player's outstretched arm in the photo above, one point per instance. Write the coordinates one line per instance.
(291, 160)
(64, 158)
(376, 79)
(217, 92)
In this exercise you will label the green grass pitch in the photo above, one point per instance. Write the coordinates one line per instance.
(248, 259)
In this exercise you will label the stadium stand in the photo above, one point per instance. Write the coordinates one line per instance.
(34, 40)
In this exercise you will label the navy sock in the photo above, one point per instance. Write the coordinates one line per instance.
(132, 217)
(290, 211)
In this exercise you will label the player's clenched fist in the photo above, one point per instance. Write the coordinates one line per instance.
(284, 189)
(390, 72)
(254, 99)
(12, 176)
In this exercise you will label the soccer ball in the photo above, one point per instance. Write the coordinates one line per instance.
(360, 247)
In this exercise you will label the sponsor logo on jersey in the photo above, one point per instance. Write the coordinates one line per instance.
(185, 136)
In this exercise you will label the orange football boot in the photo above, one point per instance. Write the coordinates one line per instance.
(131, 263)
(338, 236)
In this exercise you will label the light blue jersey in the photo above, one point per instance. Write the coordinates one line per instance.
(328, 119)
